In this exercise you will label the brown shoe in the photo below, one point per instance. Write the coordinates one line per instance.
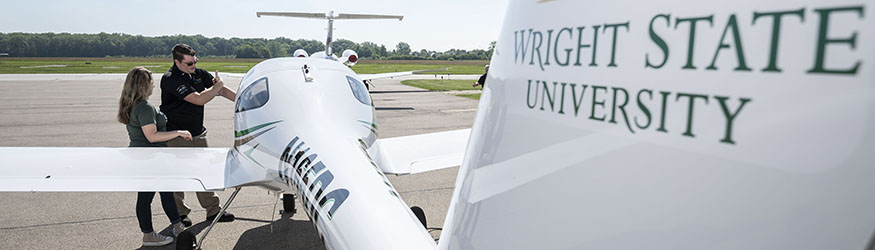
(226, 217)
(185, 220)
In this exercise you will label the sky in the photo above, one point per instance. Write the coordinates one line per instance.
(427, 24)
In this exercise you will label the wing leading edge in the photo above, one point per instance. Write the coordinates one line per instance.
(367, 77)
(54, 169)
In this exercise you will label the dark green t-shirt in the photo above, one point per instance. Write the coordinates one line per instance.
(144, 114)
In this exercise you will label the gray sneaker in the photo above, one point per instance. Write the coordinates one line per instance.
(154, 239)
(177, 228)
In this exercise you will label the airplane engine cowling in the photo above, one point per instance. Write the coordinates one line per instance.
(301, 53)
(350, 57)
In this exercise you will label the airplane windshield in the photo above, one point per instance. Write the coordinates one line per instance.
(359, 90)
(253, 97)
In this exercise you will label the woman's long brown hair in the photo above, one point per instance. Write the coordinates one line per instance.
(136, 89)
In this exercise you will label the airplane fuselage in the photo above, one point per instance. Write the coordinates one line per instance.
(307, 125)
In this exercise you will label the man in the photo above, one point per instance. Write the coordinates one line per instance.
(482, 80)
(185, 89)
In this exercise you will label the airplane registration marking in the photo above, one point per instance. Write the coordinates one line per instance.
(311, 178)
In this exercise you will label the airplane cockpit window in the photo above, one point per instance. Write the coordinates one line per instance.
(359, 90)
(253, 97)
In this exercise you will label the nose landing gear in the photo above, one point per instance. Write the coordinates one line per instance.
(289, 204)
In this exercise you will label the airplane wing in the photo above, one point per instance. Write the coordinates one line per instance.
(367, 77)
(422, 153)
(83, 169)
(364, 77)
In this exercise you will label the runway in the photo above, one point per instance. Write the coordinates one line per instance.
(80, 110)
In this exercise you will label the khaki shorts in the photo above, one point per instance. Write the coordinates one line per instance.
(207, 200)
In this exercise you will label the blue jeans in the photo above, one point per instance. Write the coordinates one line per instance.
(144, 209)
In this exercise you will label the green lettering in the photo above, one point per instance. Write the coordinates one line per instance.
(692, 39)
(622, 107)
(576, 99)
(730, 116)
(614, 40)
(549, 37)
(531, 104)
(823, 41)
(537, 48)
(692, 98)
(644, 108)
(739, 50)
(595, 92)
(662, 115)
(595, 40)
(520, 45)
(549, 97)
(659, 42)
(562, 102)
(776, 32)
(567, 51)
(579, 44)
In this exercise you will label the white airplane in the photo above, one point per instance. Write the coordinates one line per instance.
(668, 125)
(304, 125)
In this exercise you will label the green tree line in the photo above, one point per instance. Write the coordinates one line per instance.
(124, 45)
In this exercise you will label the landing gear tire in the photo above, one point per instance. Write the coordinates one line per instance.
(185, 240)
(419, 215)
(289, 203)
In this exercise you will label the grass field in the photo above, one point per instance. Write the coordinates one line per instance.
(123, 65)
(470, 96)
(445, 85)
(441, 85)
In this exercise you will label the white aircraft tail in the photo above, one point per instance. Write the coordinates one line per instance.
(330, 16)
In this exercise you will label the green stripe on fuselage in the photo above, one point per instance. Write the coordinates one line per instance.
(372, 125)
(252, 129)
(243, 140)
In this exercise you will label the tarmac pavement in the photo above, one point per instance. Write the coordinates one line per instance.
(79, 111)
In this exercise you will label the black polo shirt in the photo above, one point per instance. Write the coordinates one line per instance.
(181, 114)
(482, 80)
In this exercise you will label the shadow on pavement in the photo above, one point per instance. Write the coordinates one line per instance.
(287, 234)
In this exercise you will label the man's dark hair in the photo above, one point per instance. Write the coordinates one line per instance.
(180, 50)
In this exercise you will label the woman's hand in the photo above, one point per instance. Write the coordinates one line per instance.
(184, 134)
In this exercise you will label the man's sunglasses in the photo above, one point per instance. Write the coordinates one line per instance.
(190, 63)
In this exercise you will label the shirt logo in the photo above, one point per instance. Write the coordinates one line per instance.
(182, 89)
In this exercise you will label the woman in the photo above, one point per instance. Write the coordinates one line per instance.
(146, 128)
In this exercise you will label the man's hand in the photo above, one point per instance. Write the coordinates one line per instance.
(217, 81)
(474, 85)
